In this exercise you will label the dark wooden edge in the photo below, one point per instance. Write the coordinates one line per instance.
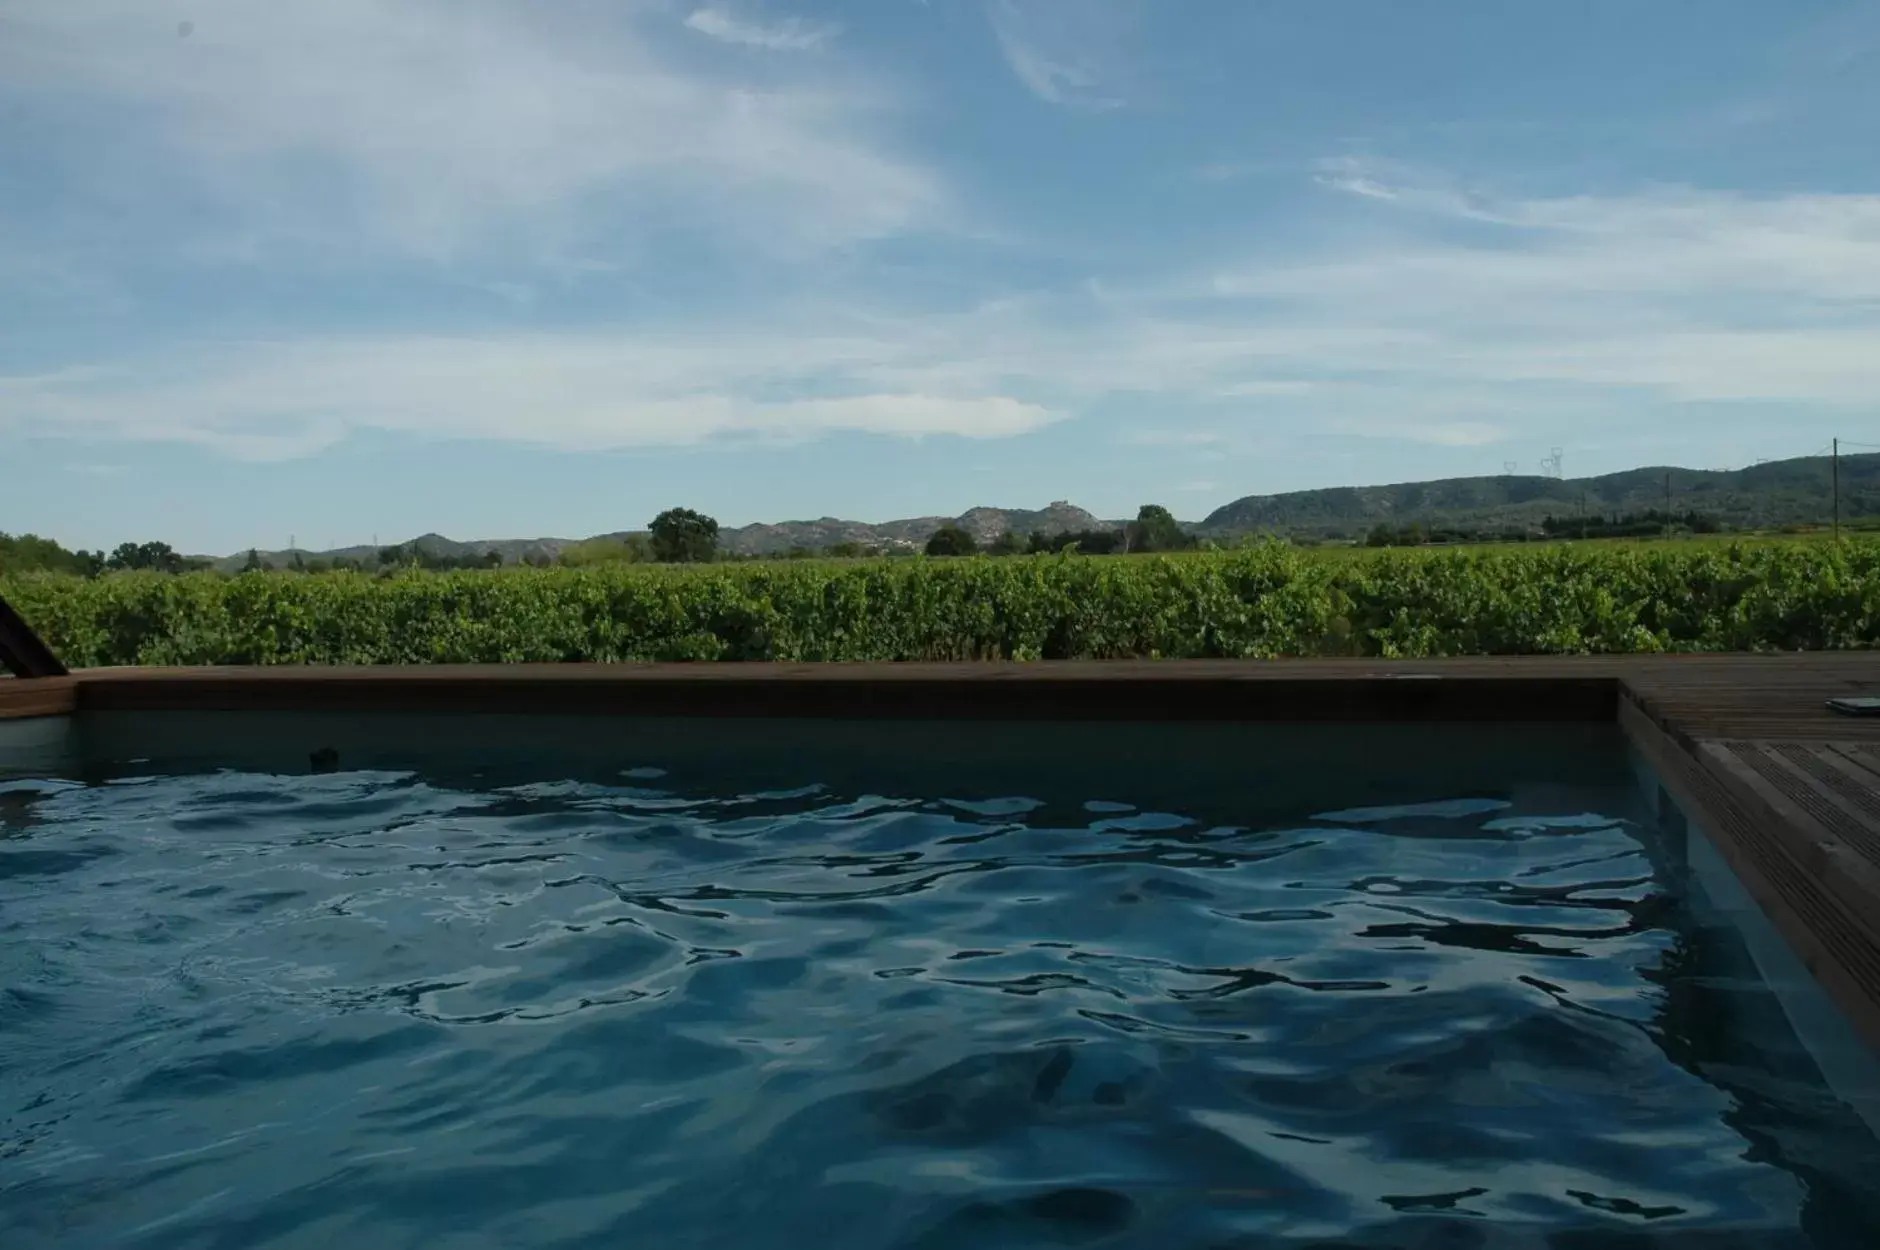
(22, 652)
(1642, 706)
(1164, 690)
(1765, 854)
(38, 696)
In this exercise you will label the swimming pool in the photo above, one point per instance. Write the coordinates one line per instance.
(407, 981)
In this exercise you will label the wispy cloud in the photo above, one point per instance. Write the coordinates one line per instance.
(1706, 295)
(1043, 44)
(1403, 186)
(790, 35)
(1498, 320)
(453, 132)
(573, 392)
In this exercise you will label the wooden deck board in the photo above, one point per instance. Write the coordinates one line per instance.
(1826, 928)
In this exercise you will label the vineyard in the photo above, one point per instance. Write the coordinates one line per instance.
(1267, 601)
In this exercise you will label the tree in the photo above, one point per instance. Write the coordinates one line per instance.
(1006, 544)
(155, 557)
(253, 563)
(27, 553)
(1156, 529)
(951, 540)
(847, 551)
(682, 536)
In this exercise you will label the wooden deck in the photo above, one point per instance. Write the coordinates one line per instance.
(1788, 792)
(1744, 744)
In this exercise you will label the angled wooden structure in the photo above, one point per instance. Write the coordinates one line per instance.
(22, 652)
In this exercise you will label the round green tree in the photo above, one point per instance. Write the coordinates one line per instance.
(682, 536)
(951, 540)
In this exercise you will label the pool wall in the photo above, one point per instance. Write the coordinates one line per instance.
(39, 745)
(1274, 770)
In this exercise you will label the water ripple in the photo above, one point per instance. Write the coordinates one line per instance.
(257, 1011)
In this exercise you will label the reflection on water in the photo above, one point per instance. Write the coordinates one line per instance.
(371, 1010)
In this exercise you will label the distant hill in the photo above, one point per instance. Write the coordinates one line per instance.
(985, 524)
(1781, 492)
(512, 550)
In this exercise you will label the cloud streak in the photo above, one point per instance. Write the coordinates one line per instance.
(793, 35)
(1040, 45)
(450, 132)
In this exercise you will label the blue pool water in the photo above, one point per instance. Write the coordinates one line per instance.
(386, 1009)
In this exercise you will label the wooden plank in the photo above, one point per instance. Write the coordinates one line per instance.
(1165, 690)
(1862, 756)
(1754, 697)
(1818, 924)
(1838, 853)
(38, 696)
(989, 671)
(1852, 788)
(1816, 796)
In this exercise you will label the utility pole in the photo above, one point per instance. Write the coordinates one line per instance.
(1834, 473)
(1582, 514)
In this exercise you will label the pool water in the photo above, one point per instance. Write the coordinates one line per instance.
(399, 1008)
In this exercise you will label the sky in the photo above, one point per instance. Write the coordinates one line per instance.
(344, 271)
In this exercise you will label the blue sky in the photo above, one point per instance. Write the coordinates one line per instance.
(356, 268)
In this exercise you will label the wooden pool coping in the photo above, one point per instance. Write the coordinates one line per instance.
(1743, 744)
(1696, 694)
(1126, 690)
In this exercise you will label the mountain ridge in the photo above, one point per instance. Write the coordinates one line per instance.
(1767, 495)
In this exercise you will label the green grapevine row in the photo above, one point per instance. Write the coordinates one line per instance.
(1262, 602)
